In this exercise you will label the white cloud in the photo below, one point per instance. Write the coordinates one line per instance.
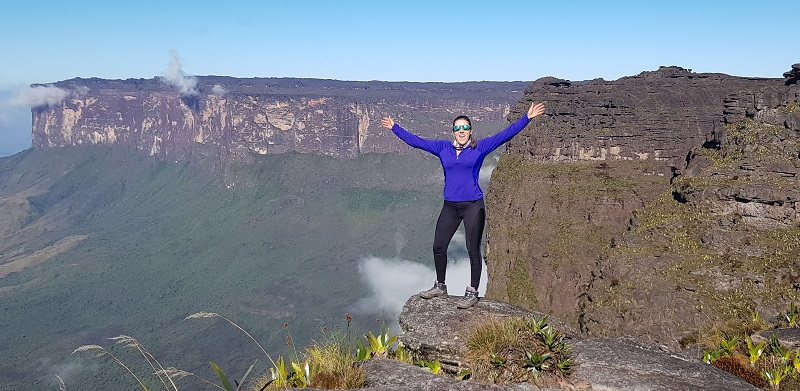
(174, 76)
(392, 281)
(36, 96)
(218, 90)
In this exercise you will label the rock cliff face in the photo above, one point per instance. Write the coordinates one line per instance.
(234, 118)
(655, 115)
(656, 206)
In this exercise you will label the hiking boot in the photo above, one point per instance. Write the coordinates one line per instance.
(470, 298)
(439, 289)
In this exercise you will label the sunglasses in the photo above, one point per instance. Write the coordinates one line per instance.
(460, 127)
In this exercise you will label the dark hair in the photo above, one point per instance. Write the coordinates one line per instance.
(472, 142)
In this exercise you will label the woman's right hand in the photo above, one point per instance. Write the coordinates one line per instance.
(387, 122)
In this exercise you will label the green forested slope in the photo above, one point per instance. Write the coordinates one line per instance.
(273, 242)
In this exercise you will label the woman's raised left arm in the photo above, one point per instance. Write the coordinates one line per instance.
(491, 143)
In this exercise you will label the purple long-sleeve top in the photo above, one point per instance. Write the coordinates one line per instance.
(461, 171)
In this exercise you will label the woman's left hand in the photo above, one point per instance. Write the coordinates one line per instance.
(535, 110)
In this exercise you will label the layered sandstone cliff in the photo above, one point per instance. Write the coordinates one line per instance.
(240, 117)
(592, 216)
(655, 115)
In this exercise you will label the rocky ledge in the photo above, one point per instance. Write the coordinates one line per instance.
(435, 329)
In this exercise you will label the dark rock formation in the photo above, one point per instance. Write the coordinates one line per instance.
(792, 76)
(655, 115)
(723, 247)
(614, 213)
(233, 118)
(752, 169)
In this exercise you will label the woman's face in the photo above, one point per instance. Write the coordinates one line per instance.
(462, 134)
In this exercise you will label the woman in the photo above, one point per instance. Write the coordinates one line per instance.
(463, 199)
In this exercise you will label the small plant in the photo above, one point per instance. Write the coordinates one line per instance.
(552, 339)
(280, 373)
(755, 350)
(538, 324)
(728, 346)
(755, 316)
(381, 343)
(796, 363)
(292, 375)
(776, 375)
(226, 384)
(792, 316)
(434, 366)
(565, 366)
(711, 355)
(497, 361)
(536, 361)
(302, 374)
(777, 350)
(401, 354)
(362, 352)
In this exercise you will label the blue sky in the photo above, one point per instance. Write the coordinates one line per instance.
(48, 41)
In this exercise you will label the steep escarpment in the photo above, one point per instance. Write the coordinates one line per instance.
(591, 218)
(236, 118)
(656, 115)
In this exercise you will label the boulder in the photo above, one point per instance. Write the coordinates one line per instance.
(437, 330)
(627, 364)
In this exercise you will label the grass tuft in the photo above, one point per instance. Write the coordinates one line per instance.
(518, 350)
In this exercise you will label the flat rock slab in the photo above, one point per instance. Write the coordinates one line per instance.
(626, 364)
(788, 337)
(436, 329)
(385, 374)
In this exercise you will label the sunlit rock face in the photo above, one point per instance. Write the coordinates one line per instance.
(241, 117)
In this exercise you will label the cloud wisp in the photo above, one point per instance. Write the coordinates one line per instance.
(37, 96)
(177, 78)
(218, 90)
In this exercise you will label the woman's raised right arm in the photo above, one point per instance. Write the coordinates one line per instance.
(411, 138)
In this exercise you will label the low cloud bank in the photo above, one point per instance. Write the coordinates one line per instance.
(392, 281)
(37, 96)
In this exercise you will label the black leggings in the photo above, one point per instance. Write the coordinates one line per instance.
(473, 213)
